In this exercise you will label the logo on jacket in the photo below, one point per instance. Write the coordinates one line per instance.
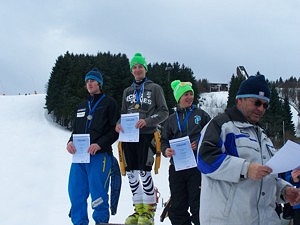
(197, 119)
(148, 94)
(144, 98)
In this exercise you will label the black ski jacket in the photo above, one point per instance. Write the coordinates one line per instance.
(197, 120)
(102, 126)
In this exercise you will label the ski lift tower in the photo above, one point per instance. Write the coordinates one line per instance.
(241, 71)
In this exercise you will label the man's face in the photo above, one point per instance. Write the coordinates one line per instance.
(253, 109)
(138, 71)
(92, 86)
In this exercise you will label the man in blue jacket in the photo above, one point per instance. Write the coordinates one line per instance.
(97, 116)
(237, 187)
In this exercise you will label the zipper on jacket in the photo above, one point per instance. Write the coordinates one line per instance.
(258, 134)
(104, 164)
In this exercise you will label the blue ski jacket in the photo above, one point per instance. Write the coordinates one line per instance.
(228, 145)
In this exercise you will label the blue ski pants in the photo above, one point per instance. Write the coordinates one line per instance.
(90, 179)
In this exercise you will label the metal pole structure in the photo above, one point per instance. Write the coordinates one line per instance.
(283, 132)
(168, 68)
(168, 90)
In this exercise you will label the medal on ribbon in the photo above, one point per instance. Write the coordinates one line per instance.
(138, 95)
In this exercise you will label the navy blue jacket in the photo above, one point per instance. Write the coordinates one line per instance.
(102, 126)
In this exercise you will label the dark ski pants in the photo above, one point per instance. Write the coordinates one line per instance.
(185, 196)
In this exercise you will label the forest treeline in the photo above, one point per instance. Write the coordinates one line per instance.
(66, 88)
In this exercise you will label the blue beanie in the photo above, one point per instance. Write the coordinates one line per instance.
(94, 74)
(254, 87)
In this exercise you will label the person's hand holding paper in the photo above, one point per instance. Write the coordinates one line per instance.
(287, 158)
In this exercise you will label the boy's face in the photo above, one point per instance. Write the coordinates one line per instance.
(93, 87)
(138, 71)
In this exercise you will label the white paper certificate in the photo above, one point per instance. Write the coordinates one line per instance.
(131, 133)
(81, 143)
(184, 157)
(287, 158)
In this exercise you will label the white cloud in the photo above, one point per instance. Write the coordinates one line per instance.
(210, 37)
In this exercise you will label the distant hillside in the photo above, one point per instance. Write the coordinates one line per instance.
(213, 103)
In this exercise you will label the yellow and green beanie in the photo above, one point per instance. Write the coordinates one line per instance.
(138, 59)
(179, 88)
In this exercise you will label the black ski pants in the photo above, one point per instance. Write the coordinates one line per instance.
(185, 196)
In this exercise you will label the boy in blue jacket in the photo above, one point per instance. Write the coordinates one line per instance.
(97, 116)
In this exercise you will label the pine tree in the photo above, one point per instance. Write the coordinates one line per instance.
(66, 86)
(289, 127)
(273, 118)
(159, 74)
(233, 89)
(203, 85)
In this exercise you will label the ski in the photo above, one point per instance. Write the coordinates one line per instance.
(165, 212)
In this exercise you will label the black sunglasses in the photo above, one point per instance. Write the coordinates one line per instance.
(258, 103)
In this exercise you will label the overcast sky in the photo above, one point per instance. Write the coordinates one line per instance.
(211, 37)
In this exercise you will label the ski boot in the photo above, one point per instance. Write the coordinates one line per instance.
(133, 218)
(147, 217)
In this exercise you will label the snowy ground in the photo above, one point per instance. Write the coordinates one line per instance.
(34, 167)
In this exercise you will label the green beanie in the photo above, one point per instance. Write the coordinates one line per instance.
(138, 59)
(179, 88)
